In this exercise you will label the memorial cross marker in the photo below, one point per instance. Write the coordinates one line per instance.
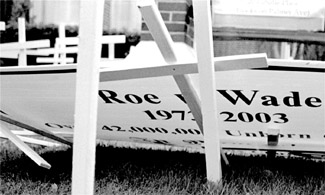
(20, 50)
(204, 49)
(86, 101)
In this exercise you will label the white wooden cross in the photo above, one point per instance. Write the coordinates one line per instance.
(19, 50)
(5, 131)
(203, 108)
(204, 49)
(60, 49)
(84, 140)
(69, 45)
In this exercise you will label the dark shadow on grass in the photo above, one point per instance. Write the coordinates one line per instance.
(142, 171)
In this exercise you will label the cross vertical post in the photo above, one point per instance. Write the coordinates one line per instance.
(204, 49)
(61, 46)
(22, 58)
(2, 26)
(111, 51)
(87, 84)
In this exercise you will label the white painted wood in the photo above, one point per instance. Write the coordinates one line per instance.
(27, 45)
(84, 146)
(111, 51)
(188, 91)
(296, 63)
(120, 72)
(285, 50)
(22, 58)
(49, 51)
(12, 50)
(23, 132)
(239, 62)
(159, 31)
(20, 49)
(67, 40)
(204, 47)
(31, 140)
(8, 54)
(25, 148)
(104, 39)
(38, 142)
(113, 39)
(55, 61)
(2, 26)
(62, 55)
(42, 132)
(60, 50)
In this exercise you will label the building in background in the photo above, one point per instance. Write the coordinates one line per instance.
(55, 11)
(239, 26)
(119, 16)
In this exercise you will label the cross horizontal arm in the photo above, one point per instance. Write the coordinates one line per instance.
(103, 39)
(26, 45)
(53, 60)
(49, 51)
(220, 64)
(113, 39)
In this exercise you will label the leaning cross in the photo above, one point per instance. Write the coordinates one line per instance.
(88, 75)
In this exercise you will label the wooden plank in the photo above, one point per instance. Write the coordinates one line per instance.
(67, 40)
(159, 31)
(25, 148)
(27, 45)
(135, 71)
(22, 57)
(2, 26)
(87, 85)
(54, 61)
(49, 51)
(204, 49)
(104, 39)
(285, 50)
(38, 142)
(23, 132)
(238, 62)
(269, 35)
(192, 99)
(61, 50)
(9, 54)
(31, 140)
(113, 39)
(61, 46)
(111, 51)
(35, 130)
(296, 63)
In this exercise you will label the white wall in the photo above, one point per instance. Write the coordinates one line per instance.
(119, 15)
(125, 15)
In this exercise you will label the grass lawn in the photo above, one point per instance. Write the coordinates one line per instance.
(129, 171)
